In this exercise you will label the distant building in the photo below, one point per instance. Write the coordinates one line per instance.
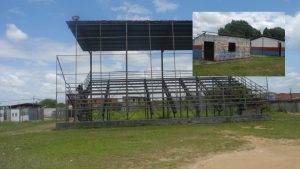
(2, 108)
(49, 113)
(98, 102)
(21, 112)
(286, 96)
(135, 100)
(219, 48)
(267, 46)
(135, 103)
(95, 102)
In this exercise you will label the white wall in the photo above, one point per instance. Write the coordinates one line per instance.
(17, 117)
(1, 115)
(221, 46)
(266, 42)
(49, 113)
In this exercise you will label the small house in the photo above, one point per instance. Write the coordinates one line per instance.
(26, 112)
(267, 46)
(4, 113)
(220, 47)
(1, 114)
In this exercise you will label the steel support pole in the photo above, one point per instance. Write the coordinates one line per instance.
(162, 79)
(76, 46)
(173, 45)
(127, 111)
(150, 48)
(198, 98)
(91, 83)
(56, 91)
(100, 59)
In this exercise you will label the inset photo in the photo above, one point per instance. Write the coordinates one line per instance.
(238, 43)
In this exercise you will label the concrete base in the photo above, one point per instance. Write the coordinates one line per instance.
(201, 120)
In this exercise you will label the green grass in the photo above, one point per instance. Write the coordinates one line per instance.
(38, 145)
(253, 66)
(140, 115)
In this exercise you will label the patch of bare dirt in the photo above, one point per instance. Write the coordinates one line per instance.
(35, 129)
(262, 128)
(266, 154)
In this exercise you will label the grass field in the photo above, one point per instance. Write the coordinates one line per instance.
(39, 145)
(253, 66)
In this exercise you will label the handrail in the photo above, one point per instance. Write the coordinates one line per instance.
(67, 84)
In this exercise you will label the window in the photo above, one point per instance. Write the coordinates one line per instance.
(231, 47)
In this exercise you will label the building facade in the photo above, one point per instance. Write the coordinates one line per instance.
(21, 113)
(267, 46)
(220, 48)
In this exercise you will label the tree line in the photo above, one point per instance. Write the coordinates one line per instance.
(50, 103)
(244, 29)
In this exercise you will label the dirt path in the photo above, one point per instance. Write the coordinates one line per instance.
(267, 154)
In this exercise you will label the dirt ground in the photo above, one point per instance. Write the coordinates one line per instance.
(266, 154)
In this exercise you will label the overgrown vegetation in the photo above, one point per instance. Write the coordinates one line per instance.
(38, 145)
(252, 66)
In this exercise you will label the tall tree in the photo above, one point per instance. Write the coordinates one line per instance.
(239, 28)
(48, 103)
(277, 32)
(266, 32)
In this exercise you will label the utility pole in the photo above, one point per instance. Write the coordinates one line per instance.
(267, 83)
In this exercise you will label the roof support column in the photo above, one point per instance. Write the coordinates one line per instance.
(76, 53)
(127, 111)
(150, 48)
(162, 79)
(173, 45)
(91, 84)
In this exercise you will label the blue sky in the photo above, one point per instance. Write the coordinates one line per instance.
(32, 32)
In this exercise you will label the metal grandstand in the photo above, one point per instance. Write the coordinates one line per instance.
(148, 93)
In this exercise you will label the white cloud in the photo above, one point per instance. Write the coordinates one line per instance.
(292, 31)
(131, 8)
(15, 34)
(16, 11)
(11, 79)
(292, 74)
(164, 5)
(132, 17)
(9, 50)
(28, 68)
(132, 11)
(212, 21)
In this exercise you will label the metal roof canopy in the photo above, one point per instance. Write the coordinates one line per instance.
(141, 35)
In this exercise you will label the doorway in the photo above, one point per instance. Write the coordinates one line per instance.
(279, 48)
(209, 50)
